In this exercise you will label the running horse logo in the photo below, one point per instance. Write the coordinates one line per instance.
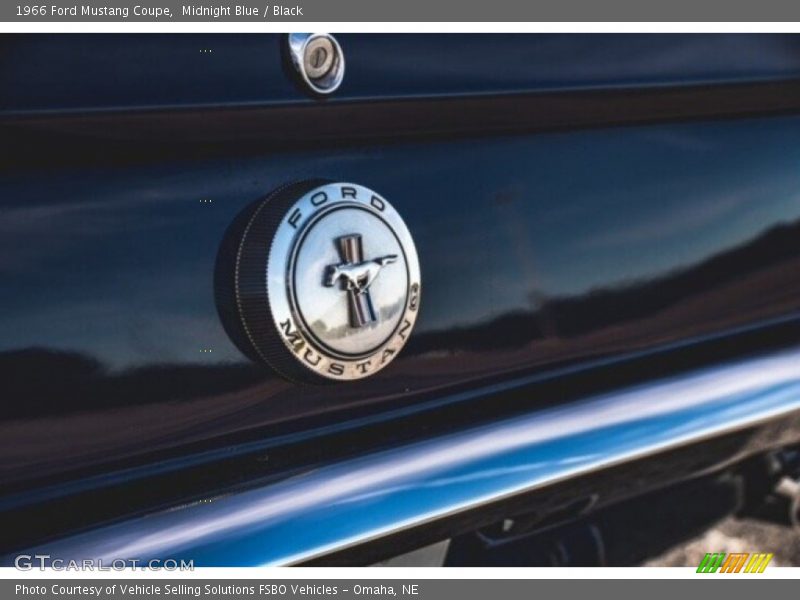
(356, 275)
(359, 277)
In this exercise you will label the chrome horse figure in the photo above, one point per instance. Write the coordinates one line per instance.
(358, 276)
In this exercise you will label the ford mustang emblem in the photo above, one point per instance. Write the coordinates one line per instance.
(320, 281)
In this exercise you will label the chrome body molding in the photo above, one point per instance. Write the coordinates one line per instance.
(356, 501)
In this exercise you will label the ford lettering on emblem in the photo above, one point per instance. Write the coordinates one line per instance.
(320, 281)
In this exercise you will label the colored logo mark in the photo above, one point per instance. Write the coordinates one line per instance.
(734, 563)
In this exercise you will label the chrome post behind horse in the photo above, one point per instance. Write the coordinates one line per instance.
(359, 305)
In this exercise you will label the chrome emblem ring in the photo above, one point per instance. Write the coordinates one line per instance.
(320, 281)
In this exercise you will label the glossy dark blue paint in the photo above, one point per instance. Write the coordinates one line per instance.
(107, 72)
(542, 254)
(108, 301)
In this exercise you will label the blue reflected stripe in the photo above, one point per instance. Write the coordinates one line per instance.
(362, 499)
(62, 489)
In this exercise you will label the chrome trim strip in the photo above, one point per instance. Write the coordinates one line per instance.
(358, 500)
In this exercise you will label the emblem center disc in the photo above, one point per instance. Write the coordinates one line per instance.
(363, 268)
